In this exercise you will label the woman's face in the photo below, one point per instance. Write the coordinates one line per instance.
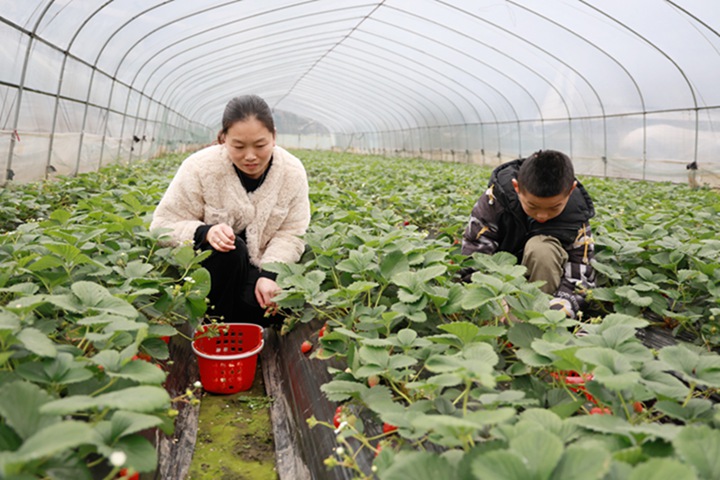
(250, 146)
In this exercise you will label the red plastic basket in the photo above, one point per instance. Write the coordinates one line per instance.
(227, 363)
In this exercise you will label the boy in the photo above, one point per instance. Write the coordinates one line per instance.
(536, 209)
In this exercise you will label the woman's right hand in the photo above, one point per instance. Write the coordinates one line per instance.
(221, 237)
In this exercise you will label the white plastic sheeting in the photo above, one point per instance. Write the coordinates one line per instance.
(628, 89)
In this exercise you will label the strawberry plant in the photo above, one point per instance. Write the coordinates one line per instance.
(474, 376)
(86, 290)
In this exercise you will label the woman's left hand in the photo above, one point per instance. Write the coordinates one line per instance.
(265, 290)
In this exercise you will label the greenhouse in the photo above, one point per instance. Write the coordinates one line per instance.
(376, 144)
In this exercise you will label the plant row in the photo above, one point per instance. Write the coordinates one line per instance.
(89, 301)
(481, 380)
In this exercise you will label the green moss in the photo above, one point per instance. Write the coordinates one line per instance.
(235, 440)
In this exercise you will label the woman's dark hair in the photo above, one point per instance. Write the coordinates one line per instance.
(242, 107)
(546, 173)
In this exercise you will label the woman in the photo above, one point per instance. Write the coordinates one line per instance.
(246, 199)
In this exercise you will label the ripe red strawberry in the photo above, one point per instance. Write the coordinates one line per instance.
(638, 407)
(336, 417)
(600, 411)
(125, 475)
(321, 333)
(387, 428)
(306, 346)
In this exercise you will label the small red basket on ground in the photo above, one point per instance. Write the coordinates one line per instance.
(227, 363)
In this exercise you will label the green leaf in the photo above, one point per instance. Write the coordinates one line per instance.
(374, 355)
(137, 399)
(418, 466)
(45, 262)
(632, 295)
(465, 331)
(696, 367)
(56, 438)
(500, 465)
(586, 463)
(136, 269)
(19, 406)
(141, 454)
(140, 371)
(125, 423)
(406, 336)
(37, 342)
(551, 422)
(699, 447)
(540, 449)
(523, 334)
(393, 263)
(341, 390)
(94, 296)
(663, 469)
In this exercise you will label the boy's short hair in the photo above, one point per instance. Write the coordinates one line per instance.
(546, 173)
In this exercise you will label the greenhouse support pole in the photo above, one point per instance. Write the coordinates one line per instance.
(54, 118)
(105, 123)
(21, 88)
(84, 123)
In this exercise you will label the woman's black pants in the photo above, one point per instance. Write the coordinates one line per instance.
(232, 289)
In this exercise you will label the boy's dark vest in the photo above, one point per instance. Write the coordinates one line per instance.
(516, 227)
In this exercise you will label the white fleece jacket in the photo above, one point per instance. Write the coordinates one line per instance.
(206, 190)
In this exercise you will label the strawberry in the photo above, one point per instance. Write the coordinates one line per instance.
(387, 428)
(321, 333)
(600, 411)
(638, 407)
(306, 346)
(337, 416)
(124, 474)
(373, 380)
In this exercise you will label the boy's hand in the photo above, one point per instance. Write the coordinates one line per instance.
(465, 274)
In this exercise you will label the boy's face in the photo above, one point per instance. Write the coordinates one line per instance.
(542, 209)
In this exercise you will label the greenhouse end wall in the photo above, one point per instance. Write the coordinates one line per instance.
(653, 147)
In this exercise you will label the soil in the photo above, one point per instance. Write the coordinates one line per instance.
(235, 440)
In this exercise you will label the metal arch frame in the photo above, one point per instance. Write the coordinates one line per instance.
(189, 16)
(611, 58)
(500, 94)
(21, 88)
(392, 113)
(112, 77)
(60, 85)
(491, 67)
(673, 62)
(426, 87)
(368, 106)
(224, 67)
(401, 112)
(417, 124)
(414, 115)
(439, 73)
(216, 39)
(263, 13)
(328, 52)
(544, 51)
(187, 63)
